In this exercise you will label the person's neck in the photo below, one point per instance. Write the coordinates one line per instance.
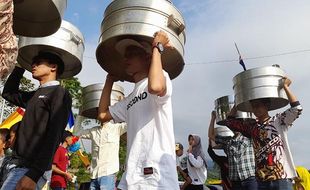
(1, 154)
(46, 79)
(263, 118)
(65, 144)
(140, 76)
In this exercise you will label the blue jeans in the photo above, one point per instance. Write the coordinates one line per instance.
(247, 184)
(282, 184)
(15, 175)
(103, 183)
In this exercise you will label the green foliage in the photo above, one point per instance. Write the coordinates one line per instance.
(214, 173)
(78, 169)
(122, 159)
(74, 87)
(26, 84)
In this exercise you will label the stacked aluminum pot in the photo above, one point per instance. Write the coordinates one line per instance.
(139, 20)
(67, 43)
(38, 18)
(260, 83)
(91, 96)
(223, 106)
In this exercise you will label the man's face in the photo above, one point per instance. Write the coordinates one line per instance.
(259, 108)
(42, 68)
(135, 60)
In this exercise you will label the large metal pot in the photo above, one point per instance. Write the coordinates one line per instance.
(38, 18)
(223, 131)
(139, 20)
(91, 96)
(223, 105)
(260, 83)
(67, 42)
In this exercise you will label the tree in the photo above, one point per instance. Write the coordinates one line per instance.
(74, 87)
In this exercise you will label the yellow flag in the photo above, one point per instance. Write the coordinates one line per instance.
(13, 118)
(84, 158)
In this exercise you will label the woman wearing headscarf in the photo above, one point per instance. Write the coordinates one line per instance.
(196, 163)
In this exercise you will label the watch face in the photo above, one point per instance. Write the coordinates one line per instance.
(160, 47)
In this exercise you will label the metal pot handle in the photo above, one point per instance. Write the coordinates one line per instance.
(175, 24)
(76, 39)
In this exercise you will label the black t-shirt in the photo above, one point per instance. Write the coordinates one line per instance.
(42, 126)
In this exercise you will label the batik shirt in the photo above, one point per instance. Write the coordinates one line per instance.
(272, 153)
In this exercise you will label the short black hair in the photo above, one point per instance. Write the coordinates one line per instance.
(52, 59)
(65, 135)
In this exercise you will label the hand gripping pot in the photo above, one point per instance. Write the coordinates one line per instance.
(91, 96)
(139, 20)
(67, 43)
(260, 83)
(38, 18)
(223, 106)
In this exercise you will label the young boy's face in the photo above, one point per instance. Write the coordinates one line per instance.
(179, 152)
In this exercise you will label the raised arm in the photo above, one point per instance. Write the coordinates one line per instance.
(291, 97)
(157, 80)
(104, 114)
(11, 90)
(291, 114)
(211, 132)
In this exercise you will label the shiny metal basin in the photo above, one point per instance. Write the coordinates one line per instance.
(67, 42)
(260, 83)
(91, 97)
(139, 20)
(38, 18)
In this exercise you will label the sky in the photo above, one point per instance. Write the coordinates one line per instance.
(277, 32)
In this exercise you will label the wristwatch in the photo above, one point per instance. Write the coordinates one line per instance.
(160, 47)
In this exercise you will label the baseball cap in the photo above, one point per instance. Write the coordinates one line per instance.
(178, 146)
(122, 45)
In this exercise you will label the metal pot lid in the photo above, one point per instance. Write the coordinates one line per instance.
(258, 84)
(67, 43)
(37, 18)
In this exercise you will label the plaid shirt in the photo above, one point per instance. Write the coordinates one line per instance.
(240, 153)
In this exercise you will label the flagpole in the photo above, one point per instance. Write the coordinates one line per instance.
(240, 58)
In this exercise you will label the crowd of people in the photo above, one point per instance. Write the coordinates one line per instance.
(257, 156)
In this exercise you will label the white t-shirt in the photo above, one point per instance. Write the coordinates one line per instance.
(150, 139)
